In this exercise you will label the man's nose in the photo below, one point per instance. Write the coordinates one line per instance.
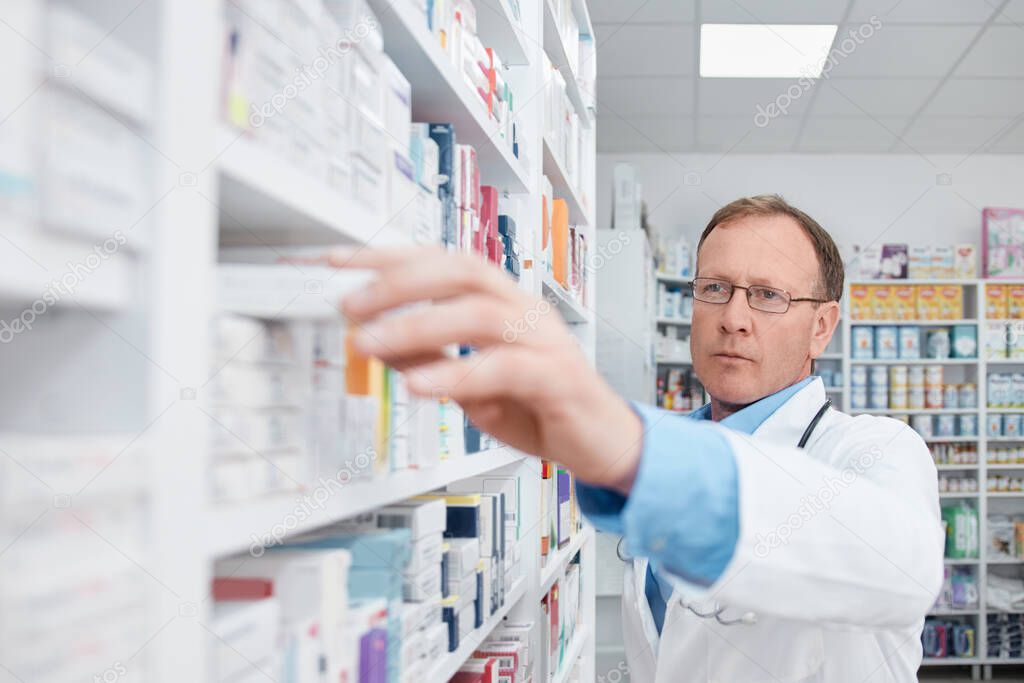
(736, 314)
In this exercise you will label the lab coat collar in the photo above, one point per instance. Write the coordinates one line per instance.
(787, 424)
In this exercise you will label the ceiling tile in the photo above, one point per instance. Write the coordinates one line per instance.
(772, 12)
(997, 53)
(956, 133)
(740, 134)
(749, 96)
(638, 11)
(963, 97)
(922, 11)
(850, 134)
(899, 51)
(628, 96)
(648, 51)
(872, 97)
(653, 134)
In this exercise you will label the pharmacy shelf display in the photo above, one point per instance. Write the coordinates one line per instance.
(209, 153)
(944, 355)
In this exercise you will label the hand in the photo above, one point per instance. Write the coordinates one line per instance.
(528, 384)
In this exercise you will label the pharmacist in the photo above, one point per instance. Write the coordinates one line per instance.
(775, 538)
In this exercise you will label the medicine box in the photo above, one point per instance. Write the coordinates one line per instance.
(863, 342)
(860, 302)
(965, 341)
(422, 518)
(886, 342)
(928, 302)
(904, 302)
(951, 302)
(965, 261)
(942, 261)
(910, 341)
(919, 265)
(1002, 252)
(997, 301)
(995, 340)
(882, 302)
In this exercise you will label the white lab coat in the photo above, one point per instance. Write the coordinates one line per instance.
(843, 599)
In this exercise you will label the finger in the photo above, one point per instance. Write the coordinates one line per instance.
(503, 373)
(433, 278)
(474, 320)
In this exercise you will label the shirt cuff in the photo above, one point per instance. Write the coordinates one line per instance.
(683, 510)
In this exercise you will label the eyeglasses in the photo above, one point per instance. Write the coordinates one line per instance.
(760, 298)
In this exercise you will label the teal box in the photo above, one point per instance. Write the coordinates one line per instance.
(964, 341)
(371, 550)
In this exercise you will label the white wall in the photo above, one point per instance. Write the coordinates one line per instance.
(859, 198)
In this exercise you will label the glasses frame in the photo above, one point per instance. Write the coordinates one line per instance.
(790, 299)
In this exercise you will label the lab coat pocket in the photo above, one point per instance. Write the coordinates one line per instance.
(770, 650)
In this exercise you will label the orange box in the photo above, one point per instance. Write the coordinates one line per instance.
(560, 242)
(1015, 301)
(997, 302)
(905, 302)
(860, 302)
(882, 302)
(951, 302)
(927, 302)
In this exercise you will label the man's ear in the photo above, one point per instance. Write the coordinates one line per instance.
(825, 323)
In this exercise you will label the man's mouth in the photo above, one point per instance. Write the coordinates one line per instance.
(732, 356)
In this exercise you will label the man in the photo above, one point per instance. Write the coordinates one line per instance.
(777, 539)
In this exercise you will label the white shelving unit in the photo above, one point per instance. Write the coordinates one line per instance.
(976, 370)
(135, 340)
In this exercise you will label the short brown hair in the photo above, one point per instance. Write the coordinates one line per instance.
(829, 285)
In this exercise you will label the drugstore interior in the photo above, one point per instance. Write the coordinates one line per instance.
(203, 481)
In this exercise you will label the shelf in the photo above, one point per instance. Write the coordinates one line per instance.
(1005, 361)
(951, 439)
(959, 494)
(830, 355)
(1005, 494)
(673, 279)
(675, 361)
(557, 563)
(266, 201)
(562, 185)
(953, 468)
(572, 311)
(1005, 439)
(233, 528)
(1005, 466)
(917, 411)
(554, 46)
(965, 561)
(996, 410)
(439, 93)
(34, 258)
(919, 323)
(950, 661)
(501, 32)
(663, 320)
(928, 281)
(1005, 560)
(954, 613)
(572, 652)
(451, 661)
(914, 361)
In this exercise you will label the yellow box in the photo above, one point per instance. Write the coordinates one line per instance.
(882, 302)
(860, 302)
(1015, 301)
(997, 302)
(905, 302)
(951, 302)
(927, 302)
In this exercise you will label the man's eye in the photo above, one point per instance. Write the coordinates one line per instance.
(768, 294)
(714, 288)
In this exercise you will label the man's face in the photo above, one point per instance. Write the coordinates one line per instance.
(741, 354)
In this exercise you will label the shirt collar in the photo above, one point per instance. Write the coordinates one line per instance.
(748, 419)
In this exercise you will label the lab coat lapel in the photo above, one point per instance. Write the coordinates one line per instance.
(787, 424)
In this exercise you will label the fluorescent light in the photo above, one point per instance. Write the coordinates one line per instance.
(764, 50)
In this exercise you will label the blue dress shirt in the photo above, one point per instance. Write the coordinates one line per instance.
(683, 510)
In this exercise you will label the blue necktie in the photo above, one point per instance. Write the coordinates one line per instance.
(652, 589)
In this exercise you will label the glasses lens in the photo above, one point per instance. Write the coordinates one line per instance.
(768, 299)
(711, 291)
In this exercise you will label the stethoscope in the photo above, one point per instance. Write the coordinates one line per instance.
(716, 613)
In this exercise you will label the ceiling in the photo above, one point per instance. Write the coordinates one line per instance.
(928, 76)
